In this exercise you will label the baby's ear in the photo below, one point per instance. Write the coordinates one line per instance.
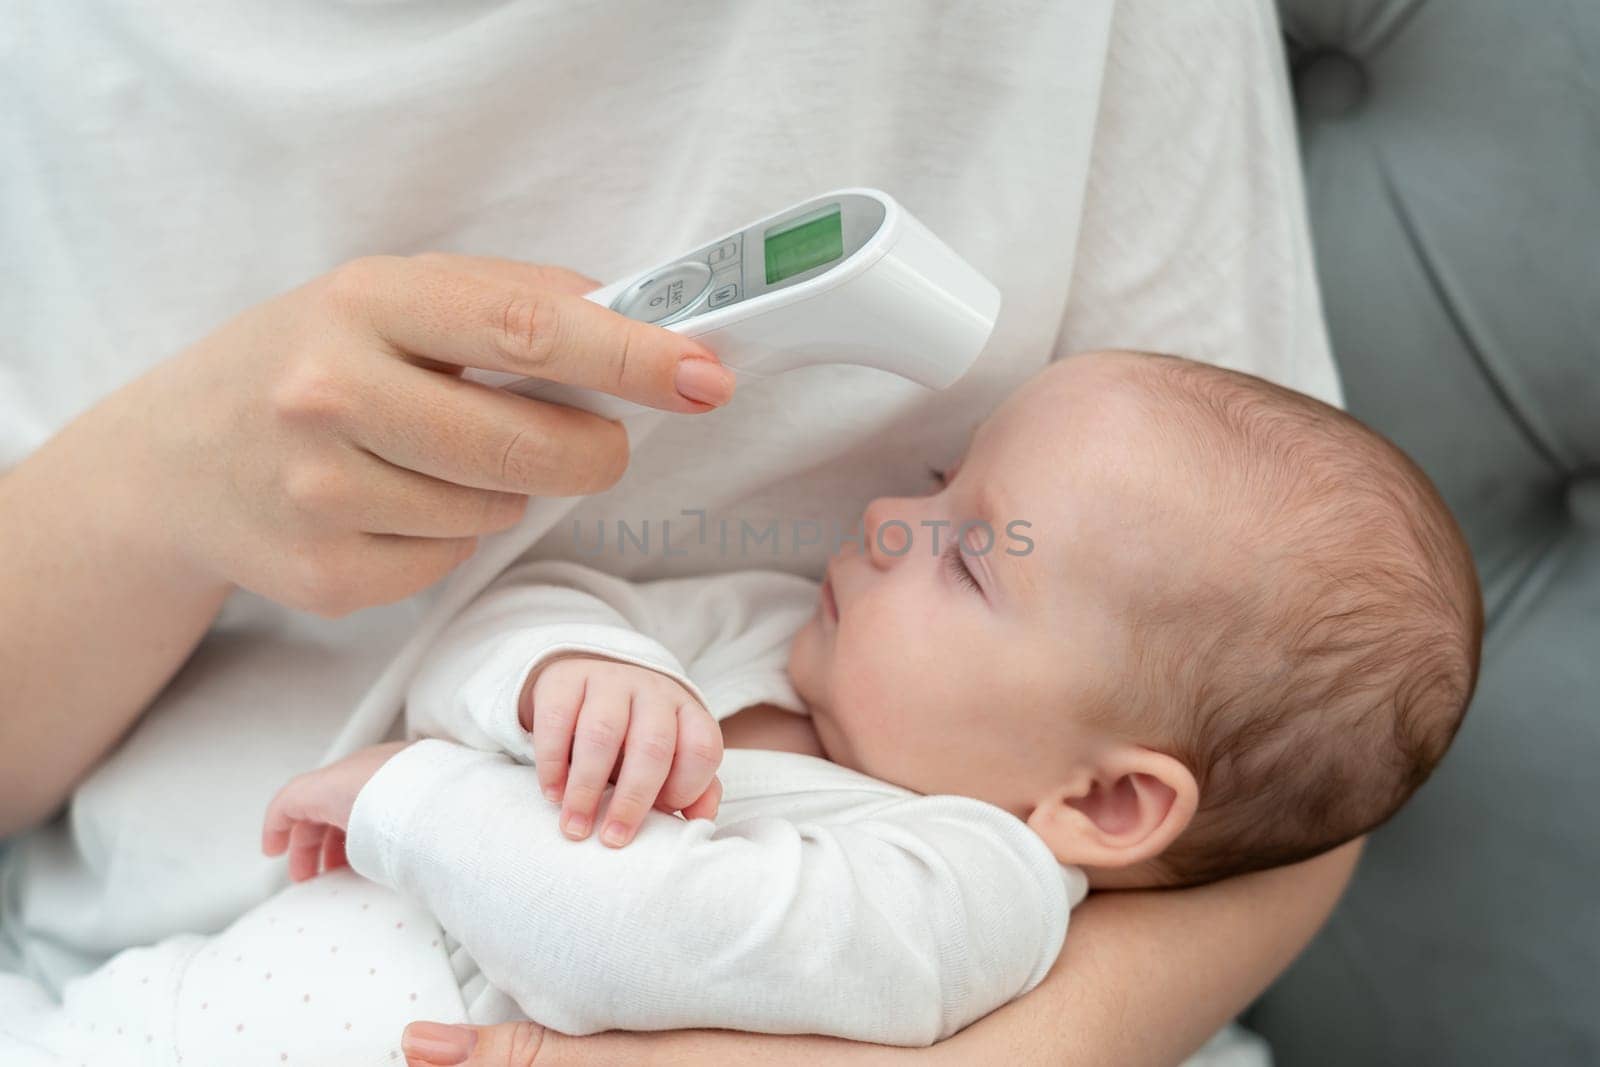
(1125, 807)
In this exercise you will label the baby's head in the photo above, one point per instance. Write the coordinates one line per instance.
(1200, 624)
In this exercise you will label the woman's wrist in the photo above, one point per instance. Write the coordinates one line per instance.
(106, 479)
(147, 465)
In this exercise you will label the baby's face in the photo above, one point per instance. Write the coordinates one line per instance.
(969, 673)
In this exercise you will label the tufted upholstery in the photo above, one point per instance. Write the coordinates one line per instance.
(1452, 155)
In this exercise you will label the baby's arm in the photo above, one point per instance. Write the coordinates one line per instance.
(554, 653)
(561, 666)
(724, 637)
(584, 713)
(896, 918)
(468, 683)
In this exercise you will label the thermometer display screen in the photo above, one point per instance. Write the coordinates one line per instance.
(806, 243)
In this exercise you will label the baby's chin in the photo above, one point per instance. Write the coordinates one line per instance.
(809, 674)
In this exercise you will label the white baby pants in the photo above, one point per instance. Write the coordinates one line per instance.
(327, 972)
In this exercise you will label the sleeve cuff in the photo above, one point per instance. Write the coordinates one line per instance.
(496, 711)
(391, 800)
(728, 696)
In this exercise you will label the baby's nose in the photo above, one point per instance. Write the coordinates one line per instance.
(888, 530)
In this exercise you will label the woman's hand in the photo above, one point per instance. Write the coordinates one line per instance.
(525, 1044)
(322, 450)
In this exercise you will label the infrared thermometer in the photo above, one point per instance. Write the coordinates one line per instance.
(846, 277)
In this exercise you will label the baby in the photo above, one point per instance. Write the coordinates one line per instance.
(1164, 624)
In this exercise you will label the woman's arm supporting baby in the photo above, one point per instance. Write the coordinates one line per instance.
(879, 916)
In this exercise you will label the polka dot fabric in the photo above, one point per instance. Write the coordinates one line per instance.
(120, 1014)
(328, 972)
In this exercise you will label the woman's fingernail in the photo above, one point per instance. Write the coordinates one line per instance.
(438, 1044)
(704, 380)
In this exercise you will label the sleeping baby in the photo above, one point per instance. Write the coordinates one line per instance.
(1164, 624)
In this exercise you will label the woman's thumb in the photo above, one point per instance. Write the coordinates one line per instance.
(439, 1045)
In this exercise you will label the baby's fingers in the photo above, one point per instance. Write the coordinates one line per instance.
(706, 806)
(695, 759)
(305, 849)
(646, 759)
(558, 695)
(275, 839)
(283, 812)
(333, 855)
(602, 724)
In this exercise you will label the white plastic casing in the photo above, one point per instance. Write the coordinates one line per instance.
(903, 302)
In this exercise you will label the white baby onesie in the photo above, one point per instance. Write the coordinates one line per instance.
(820, 899)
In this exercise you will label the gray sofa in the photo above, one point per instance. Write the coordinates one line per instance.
(1452, 155)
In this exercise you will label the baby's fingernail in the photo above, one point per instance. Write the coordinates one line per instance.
(703, 380)
(575, 825)
(615, 833)
(438, 1044)
(551, 793)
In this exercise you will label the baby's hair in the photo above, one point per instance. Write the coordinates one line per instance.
(1314, 695)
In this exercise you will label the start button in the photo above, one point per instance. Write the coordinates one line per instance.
(666, 294)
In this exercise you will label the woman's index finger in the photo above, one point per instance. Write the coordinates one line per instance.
(430, 310)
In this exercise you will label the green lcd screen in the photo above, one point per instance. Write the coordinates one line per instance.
(804, 245)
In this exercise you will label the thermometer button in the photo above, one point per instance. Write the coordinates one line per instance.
(665, 294)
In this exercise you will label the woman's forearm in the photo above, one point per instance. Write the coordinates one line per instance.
(1145, 978)
(98, 608)
(1148, 977)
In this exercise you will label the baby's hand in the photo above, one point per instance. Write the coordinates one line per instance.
(595, 709)
(309, 816)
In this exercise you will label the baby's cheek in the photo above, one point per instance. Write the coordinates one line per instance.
(881, 665)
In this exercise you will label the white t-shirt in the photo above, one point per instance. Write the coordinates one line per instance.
(1126, 175)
